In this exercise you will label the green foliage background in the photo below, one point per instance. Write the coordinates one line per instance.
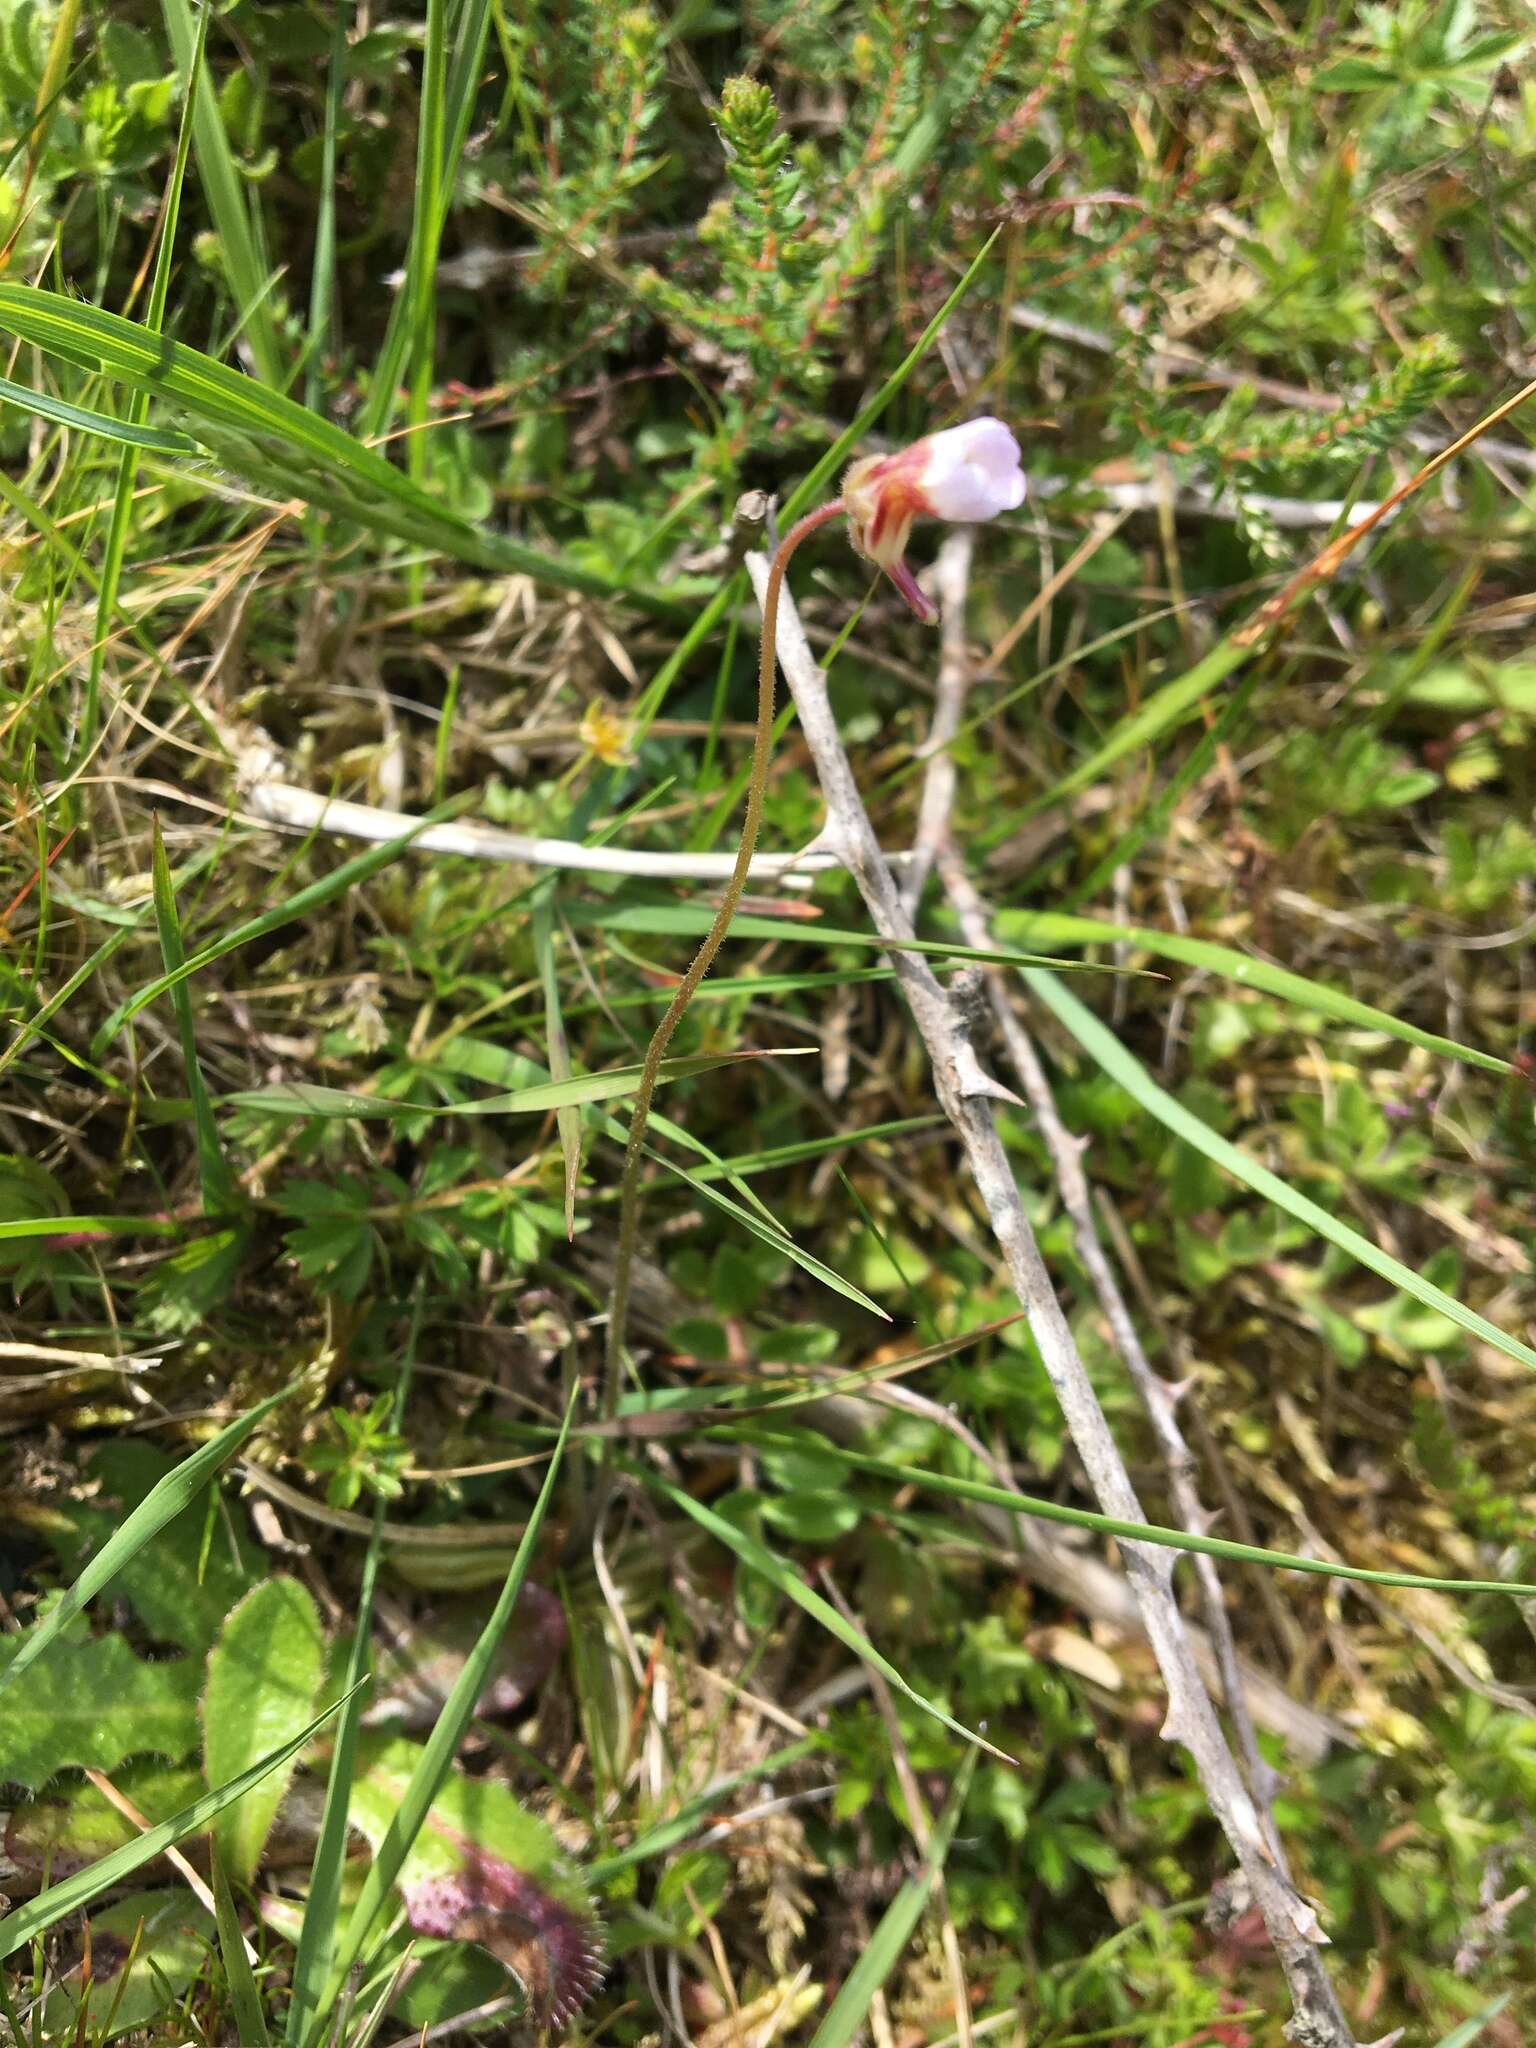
(413, 484)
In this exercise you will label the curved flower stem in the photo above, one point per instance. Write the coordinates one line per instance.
(655, 1052)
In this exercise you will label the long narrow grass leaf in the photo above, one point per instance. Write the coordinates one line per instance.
(164, 1501)
(322, 1910)
(279, 445)
(774, 1571)
(302, 1099)
(242, 245)
(440, 1747)
(244, 1995)
(1055, 930)
(159, 440)
(218, 1182)
(138, 405)
(1109, 1525)
(1106, 1051)
(878, 1957)
(1469, 2030)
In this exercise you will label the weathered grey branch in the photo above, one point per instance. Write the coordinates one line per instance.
(963, 1089)
(1158, 1398)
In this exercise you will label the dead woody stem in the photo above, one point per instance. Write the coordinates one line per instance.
(963, 1090)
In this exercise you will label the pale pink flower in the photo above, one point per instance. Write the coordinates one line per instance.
(963, 474)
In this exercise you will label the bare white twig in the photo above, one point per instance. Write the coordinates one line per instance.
(962, 1088)
(1158, 1398)
(305, 810)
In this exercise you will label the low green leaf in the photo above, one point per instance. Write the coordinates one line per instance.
(264, 1676)
(76, 1824)
(146, 1951)
(436, 1756)
(481, 1852)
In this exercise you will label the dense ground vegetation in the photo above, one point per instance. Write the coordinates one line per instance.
(583, 274)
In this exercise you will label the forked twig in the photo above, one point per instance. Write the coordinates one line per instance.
(1318, 2020)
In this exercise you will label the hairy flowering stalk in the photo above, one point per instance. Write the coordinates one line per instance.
(965, 473)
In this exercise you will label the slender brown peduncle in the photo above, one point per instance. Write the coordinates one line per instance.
(661, 1038)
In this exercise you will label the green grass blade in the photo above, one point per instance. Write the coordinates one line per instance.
(16, 1227)
(278, 444)
(1141, 729)
(777, 1239)
(1108, 1525)
(680, 920)
(128, 432)
(322, 283)
(440, 1748)
(848, 2014)
(1107, 1052)
(191, 63)
(160, 1505)
(250, 2021)
(420, 291)
(218, 1183)
(567, 1118)
(1464, 2035)
(1151, 818)
(1060, 930)
(453, 106)
(758, 1558)
(1054, 929)
(68, 1896)
(241, 243)
(300, 1099)
(322, 1910)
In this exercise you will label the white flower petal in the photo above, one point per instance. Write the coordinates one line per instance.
(972, 472)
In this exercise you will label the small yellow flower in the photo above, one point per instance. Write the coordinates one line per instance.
(604, 735)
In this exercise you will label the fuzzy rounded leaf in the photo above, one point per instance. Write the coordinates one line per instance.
(264, 1676)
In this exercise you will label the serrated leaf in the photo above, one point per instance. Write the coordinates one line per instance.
(25, 1923)
(264, 1676)
(89, 1704)
(484, 1868)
